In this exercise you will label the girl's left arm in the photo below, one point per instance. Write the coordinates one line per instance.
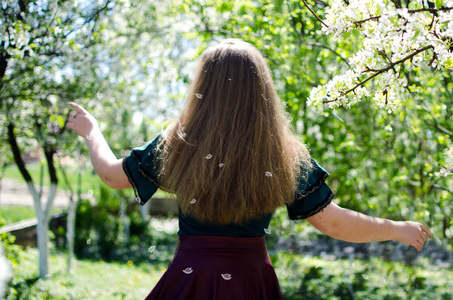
(355, 227)
(105, 163)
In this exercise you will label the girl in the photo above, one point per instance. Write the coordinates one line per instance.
(231, 160)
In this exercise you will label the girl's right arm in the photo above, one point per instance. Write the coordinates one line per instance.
(106, 165)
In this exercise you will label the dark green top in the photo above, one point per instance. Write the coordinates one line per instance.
(141, 167)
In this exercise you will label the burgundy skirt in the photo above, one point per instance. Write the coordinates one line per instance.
(217, 268)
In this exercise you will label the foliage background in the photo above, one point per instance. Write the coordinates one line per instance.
(129, 64)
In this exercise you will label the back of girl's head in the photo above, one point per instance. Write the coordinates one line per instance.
(232, 80)
(231, 149)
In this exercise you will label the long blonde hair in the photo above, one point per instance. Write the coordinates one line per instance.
(231, 156)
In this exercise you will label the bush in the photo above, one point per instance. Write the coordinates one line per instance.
(12, 253)
(366, 279)
(101, 231)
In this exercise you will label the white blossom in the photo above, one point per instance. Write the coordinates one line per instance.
(391, 36)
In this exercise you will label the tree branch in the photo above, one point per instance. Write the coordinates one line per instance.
(433, 11)
(440, 128)
(442, 188)
(16, 153)
(436, 124)
(322, 3)
(95, 15)
(314, 14)
(358, 23)
(382, 71)
(331, 50)
(430, 10)
(396, 4)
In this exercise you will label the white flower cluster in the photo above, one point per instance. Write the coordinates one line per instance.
(392, 37)
(16, 39)
(335, 91)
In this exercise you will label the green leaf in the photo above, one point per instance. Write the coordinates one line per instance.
(439, 3)
(346, 35)
(449, 63)
(338, 118)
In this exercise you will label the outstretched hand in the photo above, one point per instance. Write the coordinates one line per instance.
(81, 121)
(412, 234)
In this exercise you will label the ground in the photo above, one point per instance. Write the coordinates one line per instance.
(14, 193)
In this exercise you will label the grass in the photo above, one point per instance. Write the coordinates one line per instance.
(88, 279)
(300, 278)
(14, 213)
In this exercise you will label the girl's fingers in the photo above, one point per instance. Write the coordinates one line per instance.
(426, 230)
(421, 241)
(77, 107)
(72, 119)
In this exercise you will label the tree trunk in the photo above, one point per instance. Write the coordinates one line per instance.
(49, 152)
(43, 247)
(42, 215)
(70, 231)
(3, 65)
(42, 234)
(70, 222)
(1, 179)
(125, 219)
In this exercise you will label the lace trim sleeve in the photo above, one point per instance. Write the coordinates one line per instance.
(132, 182)
(315, 210)
(312, 194)
(313, 188)
(141, 168)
